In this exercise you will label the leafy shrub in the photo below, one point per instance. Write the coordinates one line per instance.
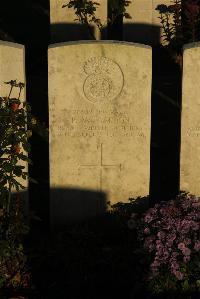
(14, 118)
(13, 261)
(13, 145)
(180, 24)
(170, 233)
(85, 11)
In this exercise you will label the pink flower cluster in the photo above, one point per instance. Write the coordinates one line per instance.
(171, 234)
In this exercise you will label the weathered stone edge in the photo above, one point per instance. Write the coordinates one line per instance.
(11, 44)
(191, 45)
(82, 42)
(17, 46)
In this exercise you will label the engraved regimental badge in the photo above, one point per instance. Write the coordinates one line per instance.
(104, 79)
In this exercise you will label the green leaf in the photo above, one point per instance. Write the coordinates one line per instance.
(18, 170)
(17, 184)
(2, 280)
(7, 167)
(198, 283)
(26, 146)
(24, 158)
(185, 285)
(127, 15)
(24, 176)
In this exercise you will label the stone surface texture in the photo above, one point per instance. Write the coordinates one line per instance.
(99, 114)
(190, 126)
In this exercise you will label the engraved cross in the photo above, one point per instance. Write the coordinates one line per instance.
(101, 166)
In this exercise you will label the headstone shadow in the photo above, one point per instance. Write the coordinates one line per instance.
(147, 34)
(64, 32)
(165, 127)
(134, 32)
(75, 205)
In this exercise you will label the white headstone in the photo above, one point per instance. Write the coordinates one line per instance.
(99, 117)
(64, 27)
(145, 25)
(190, 125)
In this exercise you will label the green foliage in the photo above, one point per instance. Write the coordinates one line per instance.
(13, 261)
(14, 148)
(180, 24)
(85, 10)
(16, 126)
(13, 144)
(171, 20)
(118, 8)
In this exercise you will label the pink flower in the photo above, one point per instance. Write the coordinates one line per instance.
(181, 246)
(194, 225)
(172, 235)
(187, 241)
(146, 231)
(148, 218)
(174, 255)
(161, 235)
(197, 246)
(179, 275)
(165, 254)
(149, 243)
(171, 239)
(186, 258)
(174, 265)
(196, 204)
(186, 251)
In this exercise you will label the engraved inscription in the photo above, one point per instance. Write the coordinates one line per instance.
(104, 79)
(193, 132)
(96, 123)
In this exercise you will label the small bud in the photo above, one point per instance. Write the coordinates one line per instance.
(14, 107)
(16, 148)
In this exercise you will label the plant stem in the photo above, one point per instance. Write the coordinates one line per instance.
(11, 88)
(11, 159)
(9, 197)
(84, 20)
(20, 89)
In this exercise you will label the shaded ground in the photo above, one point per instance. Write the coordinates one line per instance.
(87, 261)
(98, 259)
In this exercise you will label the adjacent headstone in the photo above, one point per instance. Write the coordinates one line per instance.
(99, 117)
(190, 126)
(64, 27)
(12, 67)
(145, 25)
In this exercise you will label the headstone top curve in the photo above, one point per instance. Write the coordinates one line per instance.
(191, 45)
(11, 44)
(109, 42)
